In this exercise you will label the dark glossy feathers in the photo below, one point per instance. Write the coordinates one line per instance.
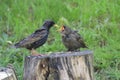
(35, 40)
(38, 38)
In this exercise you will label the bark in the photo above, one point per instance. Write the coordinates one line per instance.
(60, 66)
(7, 74)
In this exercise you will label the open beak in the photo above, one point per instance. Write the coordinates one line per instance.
(61, 29)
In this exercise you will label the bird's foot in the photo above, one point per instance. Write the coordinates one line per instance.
(76, 50)
(70, 50)
(38, 55)
(35, 53)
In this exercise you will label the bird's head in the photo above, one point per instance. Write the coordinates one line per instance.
(48, 24)
(65, 30)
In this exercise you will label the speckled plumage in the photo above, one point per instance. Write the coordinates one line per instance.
(71, 39)
(38, 38)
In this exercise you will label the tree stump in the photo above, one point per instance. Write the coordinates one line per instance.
(7, 74)
(60, 66)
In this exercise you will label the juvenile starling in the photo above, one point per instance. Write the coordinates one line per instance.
(71, 39)
(37, 39)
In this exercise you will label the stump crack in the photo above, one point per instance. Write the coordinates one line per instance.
(62, 66)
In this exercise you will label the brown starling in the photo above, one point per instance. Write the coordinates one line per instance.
(38, 38)
(71, 39)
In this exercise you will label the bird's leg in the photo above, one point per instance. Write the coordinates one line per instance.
(35, 53)
(77, 50)
(72, 50)
(69, 50)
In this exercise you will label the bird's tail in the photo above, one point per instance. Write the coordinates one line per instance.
(86, 46)
(16, 45)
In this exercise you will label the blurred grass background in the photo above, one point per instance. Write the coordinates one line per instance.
(98, 21)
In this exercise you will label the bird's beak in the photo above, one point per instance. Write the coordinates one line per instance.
(61, 29)
(56, 25)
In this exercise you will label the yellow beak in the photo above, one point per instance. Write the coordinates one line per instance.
(61, 29)
(56, 25)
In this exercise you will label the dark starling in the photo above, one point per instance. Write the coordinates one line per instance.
(38, 38)
(71, 39)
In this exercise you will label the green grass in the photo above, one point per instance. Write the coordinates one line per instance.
(98, 21)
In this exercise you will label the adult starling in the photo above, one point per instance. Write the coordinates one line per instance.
(71, 39)
(37, 39)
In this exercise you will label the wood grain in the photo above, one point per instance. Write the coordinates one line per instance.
(60, 66)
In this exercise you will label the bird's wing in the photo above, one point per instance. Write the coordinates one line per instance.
(78, 37)
(37, 35)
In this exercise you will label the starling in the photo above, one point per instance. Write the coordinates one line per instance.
(37, 39)
(71, 39)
